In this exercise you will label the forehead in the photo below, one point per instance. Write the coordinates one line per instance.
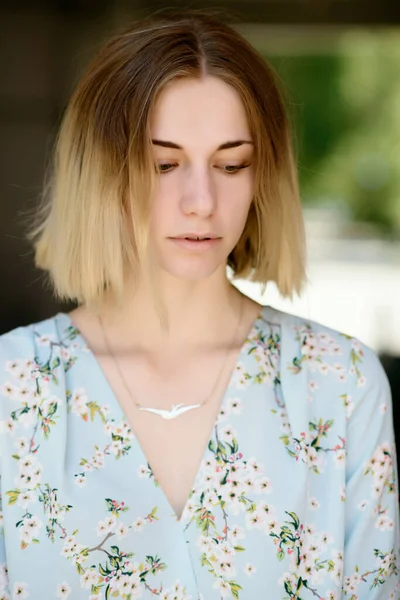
(199, 113)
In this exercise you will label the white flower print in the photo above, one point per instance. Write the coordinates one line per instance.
(205, 542)
(235, 406)
(8, 426)
(63, 590)
(239, 380)
(78, 403)
(71, 547)
(3, 577)
(323, 369)
(80, 480)
(342, 493)
(30, 472)
(348, 405)
(22, 445)
(264, 485)
(250, 569)
(235, 534)
(383, 408)
(222, 415)
(254, 465)
(9, 390)
(289, 578)
(26, 498)
(313, 503)
(144, 472)
(228, 433)
(20, 590)
(121, 531)
(30, 529)
(223, 588)
(340, 458)
(138, 524)
(45, 340)
(89, 578)
(210, 499)
(381, 467)
(104, 527)
(384, 523)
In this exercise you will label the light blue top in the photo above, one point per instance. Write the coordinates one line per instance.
(296, 495)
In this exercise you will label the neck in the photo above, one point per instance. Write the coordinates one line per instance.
(200, 315)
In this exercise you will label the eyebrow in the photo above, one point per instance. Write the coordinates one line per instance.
(225, 146)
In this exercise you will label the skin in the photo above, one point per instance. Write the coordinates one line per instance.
(196, 192)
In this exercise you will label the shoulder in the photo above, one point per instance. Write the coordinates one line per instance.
(25, 342)
(328, 353)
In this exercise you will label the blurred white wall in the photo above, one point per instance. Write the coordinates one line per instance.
(354, 284)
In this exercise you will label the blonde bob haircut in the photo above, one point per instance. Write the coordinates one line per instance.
(91, 228)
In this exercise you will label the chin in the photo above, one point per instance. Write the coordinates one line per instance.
(192, 270)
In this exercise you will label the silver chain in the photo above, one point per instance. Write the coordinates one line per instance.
(141, 407)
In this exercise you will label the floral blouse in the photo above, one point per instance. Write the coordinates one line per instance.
(296, 495)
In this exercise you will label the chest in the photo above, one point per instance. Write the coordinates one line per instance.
(172, 448)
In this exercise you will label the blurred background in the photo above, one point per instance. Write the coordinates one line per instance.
(340, 63)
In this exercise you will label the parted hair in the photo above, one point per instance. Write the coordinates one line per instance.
(91, 227)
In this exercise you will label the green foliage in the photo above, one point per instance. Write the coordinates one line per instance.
(345, 110)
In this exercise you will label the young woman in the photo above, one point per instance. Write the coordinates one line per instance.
(170, 437)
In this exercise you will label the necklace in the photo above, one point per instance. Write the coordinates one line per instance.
(177, 409)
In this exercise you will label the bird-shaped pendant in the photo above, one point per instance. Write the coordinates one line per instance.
(173, 413)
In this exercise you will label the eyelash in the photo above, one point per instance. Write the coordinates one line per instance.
(229, 173)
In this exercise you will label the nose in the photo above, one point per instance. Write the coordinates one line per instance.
(199, 194)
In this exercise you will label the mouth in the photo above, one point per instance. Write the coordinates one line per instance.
(196, 243)
(196, 238)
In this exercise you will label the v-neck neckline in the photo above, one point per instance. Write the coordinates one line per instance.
(119, 412)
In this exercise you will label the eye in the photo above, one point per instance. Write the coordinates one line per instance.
(165, 167)
(233, 169)
(227, 169)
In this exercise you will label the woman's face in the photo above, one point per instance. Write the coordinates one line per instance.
(204, 154)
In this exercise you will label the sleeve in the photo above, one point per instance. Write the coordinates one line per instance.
(371, 551)
(4, 584)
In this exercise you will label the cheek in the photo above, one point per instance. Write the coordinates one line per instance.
(236, 196)
(160, 214)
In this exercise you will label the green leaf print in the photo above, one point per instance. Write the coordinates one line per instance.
(295, 518)
(235, 587)
(104, 572)
(212, 447)
(94, 409)
(12, 496)
(221, 448)
(96, 589)
(225, 478)
(56, 363)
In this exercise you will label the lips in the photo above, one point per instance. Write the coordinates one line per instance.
(196, 236)
(194, 244)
